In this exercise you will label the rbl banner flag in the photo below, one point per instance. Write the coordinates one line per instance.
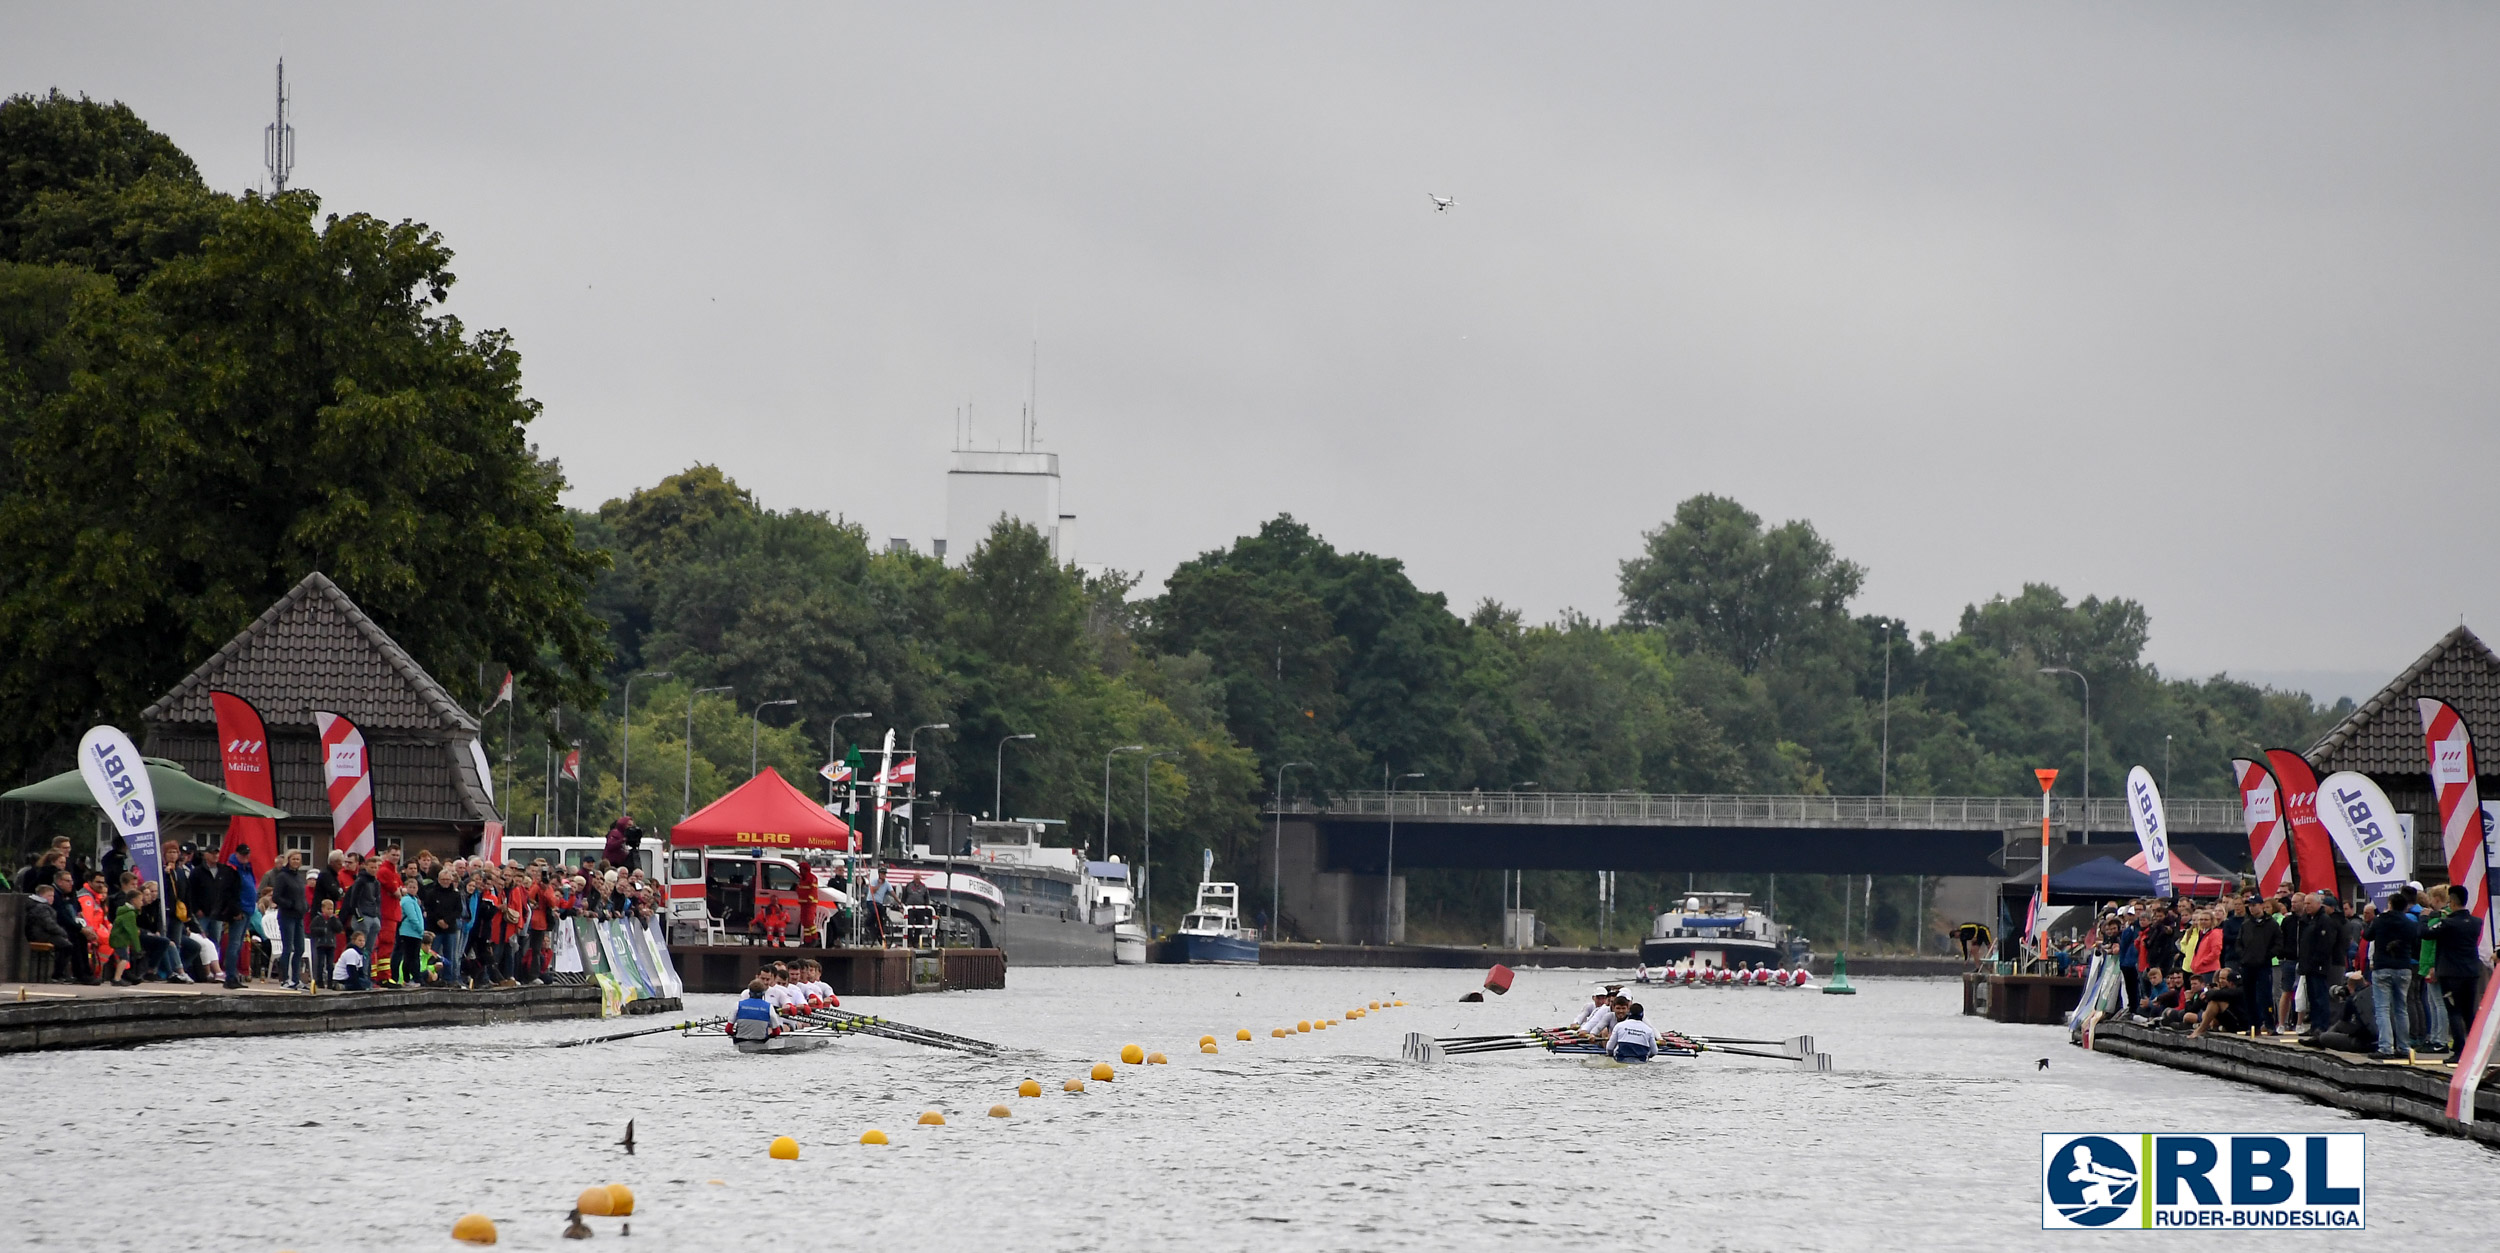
(2152, 827)
(2364, 825)
(243, 746)
(2453, 771)
(2261, 811)
(2313, 850)
(347, 771)
(117, 778)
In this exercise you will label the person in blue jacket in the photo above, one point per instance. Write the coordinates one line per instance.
(754, 1019)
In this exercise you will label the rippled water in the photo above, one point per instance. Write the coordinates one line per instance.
(1927, 1136)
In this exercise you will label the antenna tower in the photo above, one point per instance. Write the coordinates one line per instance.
(278, 141)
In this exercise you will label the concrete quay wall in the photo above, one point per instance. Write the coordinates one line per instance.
(110, 1020)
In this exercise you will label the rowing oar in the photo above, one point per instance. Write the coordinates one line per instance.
(627, 1035)
(892, 1030)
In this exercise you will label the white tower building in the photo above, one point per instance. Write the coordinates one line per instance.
(1023, 486)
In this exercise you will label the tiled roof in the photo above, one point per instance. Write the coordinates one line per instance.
(2384, 736)
(315, 649)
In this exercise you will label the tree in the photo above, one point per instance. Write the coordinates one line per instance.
(1716, 577)
(197, 417)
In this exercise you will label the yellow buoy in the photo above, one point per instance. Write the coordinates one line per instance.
(785, 1149)
(1157, 1059)
(1375, 1004)
(717, 1183)
(1073, 1085)
(1207, 1047)
(1028, 1088)
(932, 1118)
(1242, 1034)
(1132, 1054)
(1321, 1025)
(1102, 1072)
(1206, 1039)
(870, 1136)
(474, 1229)
(594, 1201)
(1278, 1034)
(1303, 1025)
(620, 1201)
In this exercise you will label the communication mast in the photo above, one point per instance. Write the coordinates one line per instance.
(278, 141)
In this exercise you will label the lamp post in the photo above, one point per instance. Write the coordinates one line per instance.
(2165, 765)
(1276, 881)
(1389, 865)
(2087, 748)
(1106, 793)
(755, 738)
(685, 805)
(833, 748)
(998, 778)
(912, 743)
(1146, 840)
(625, 768)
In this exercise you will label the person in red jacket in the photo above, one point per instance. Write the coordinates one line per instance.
(807, 902)
(387, 875)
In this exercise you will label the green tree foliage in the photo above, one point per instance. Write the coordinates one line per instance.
(1717, 578)
(205, 397)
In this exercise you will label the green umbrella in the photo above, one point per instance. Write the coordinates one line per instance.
(176, 793)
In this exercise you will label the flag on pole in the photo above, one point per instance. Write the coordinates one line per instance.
(2313, 850)
(347, 771)
(901, 773)
(836, 772)
(117, 778)
(572, 768)
(2363, 824)
(2261, 812)
(2036, 927)
(2152, 827)
(2453, 771)
(502, 694)
(243, 747)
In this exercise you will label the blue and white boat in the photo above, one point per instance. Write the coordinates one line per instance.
(1212, 930)
(1719, 930)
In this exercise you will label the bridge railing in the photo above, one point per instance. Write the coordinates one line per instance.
(1928, 813)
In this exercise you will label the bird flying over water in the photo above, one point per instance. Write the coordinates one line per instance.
(1441, 203)
(628, 1141)
(2044, 1063)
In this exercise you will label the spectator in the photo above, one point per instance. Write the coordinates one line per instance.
(407, 952)
(364, 906)
(2457, 970)
(440, 901)
(2347, 1020)
(2321, 956)
(236, 895)
(2258, 933)
(43, 926)
(2222, 1007)
(287, 899)
(116, 859)
(125, 942)
(348, 973)
(2395, 944)
(159, 961)
(387, 877)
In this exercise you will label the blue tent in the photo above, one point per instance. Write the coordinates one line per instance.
(2100, 879)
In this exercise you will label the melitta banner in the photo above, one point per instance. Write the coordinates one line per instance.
(2152, 827)
(2313, 849)
(243, 747)
(347, 771)
(2261, 811)
(2364, 826)
(2451, 749)
(118, 779)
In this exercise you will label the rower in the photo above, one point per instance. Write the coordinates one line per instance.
(775, 979)
(1603, 1019)
(755, 1018)
(1633, 1039)
(1597, 1005)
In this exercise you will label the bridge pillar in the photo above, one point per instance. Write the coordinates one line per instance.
(1332, 906)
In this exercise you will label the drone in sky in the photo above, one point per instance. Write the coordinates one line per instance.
(1441, 204)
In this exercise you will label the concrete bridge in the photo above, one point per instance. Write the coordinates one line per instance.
(1332, 855)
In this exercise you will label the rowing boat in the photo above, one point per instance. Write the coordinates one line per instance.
(803, 1043)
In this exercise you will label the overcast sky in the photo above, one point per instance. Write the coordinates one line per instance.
(2191, 304)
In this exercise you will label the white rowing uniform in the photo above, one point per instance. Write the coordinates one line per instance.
(778, 996)
(1633, 1031)
(1589, 1016)
(1600, 1022)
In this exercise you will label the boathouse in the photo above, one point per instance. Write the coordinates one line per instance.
(2383, 738)
(315, 649)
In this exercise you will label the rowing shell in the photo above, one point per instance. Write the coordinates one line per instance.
(784, 1044)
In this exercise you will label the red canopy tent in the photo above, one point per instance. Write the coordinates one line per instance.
(764, 812)
(2187, 880)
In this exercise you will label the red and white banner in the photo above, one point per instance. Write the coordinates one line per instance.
(347, 771)
(573, 765)
(2313, 850)
(2261, 811)
(243, 744)
(2460, 803)
(490, 844)
(502, 694)
(901, 773)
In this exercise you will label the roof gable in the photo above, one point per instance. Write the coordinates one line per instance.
(315, 649)
(2384, 735)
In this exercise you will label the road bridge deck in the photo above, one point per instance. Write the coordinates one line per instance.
(2193, 815)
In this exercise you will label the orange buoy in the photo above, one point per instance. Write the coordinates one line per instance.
(1102, 1072)
(620, 1201)
(594, 1201)
(474, 1229)
(1028, 1088)
(1001, 1111)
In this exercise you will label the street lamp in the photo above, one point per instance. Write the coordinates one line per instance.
(2087, 746)
(833, 749)
(1389, 867)
(755, 738)
(1276, 881)
(1106, 793)
(685, 805)
(625, 769)
(1146, 841)
(998, 778)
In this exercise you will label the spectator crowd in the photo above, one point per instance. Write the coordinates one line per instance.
(351, 923)
(2393, 979)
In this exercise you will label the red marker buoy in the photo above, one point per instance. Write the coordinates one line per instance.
(1497, 981)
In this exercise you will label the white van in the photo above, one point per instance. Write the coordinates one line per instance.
(568, 851)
